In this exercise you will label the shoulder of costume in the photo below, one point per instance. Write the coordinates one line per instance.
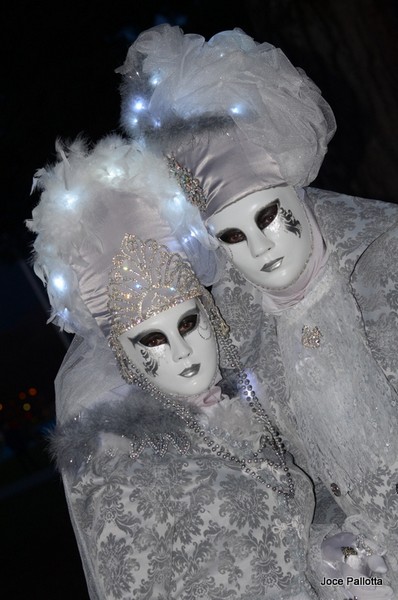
(319, 196)
(374, 283)
(376, 273)
(124, 426)
(349, 224)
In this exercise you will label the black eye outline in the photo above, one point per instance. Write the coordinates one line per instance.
(191, 321)
(263, 219)
(231, 236)
(267, 215)
(152, 339)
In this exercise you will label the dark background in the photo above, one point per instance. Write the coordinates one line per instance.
(59, 81)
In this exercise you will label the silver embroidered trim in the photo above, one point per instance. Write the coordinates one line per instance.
(147, 279)
(189, 184)
(159, 444)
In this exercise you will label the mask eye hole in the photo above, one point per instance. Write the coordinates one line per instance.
(188, 324)
(266, 215)
(232, 236)
(153, 339)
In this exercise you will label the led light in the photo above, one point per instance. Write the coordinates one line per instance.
(114, 172)
(155, 80)
(139, 105)
(134, 121)
(70, 199)
(236, 110)
(59, 282)
(178, 199)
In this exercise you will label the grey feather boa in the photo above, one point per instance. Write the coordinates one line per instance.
(138, 418)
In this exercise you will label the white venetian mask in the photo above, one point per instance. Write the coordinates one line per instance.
(176, 349)
(267, 235)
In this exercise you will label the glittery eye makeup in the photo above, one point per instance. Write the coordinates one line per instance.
(150, 363)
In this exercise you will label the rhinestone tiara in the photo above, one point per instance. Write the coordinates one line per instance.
(147, 279)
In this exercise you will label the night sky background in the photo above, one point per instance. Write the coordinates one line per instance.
(59, 81)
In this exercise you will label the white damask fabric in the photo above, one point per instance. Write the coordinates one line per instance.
(158, 518)
(335, 404)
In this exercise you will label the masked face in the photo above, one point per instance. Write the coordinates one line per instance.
(267, 236)
(175, 349)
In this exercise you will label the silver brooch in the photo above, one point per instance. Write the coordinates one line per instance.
(311, 336)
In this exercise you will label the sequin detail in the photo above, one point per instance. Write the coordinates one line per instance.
(311, 337)
(159, 443)
(348, 551)
(189, 184)
(146, 279)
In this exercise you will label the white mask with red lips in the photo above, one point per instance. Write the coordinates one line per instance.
(267, 235)
(175, 349)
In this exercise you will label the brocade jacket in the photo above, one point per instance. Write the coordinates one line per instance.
(157, 515)
(336, 403)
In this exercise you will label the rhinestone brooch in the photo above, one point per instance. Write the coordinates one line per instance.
(311, 337)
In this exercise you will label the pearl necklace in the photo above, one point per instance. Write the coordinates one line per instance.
(270, 437)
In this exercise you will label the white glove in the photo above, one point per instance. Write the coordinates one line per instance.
(350, 561)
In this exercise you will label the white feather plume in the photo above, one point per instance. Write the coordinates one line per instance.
(85, 181)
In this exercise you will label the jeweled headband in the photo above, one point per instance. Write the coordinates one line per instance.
(147, 279)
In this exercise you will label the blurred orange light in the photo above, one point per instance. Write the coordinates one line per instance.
(22, 395)
(32, 391)
(1, 406)
(26, 406)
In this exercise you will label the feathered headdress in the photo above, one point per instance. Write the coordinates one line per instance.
(90, 199)
(182, 93)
